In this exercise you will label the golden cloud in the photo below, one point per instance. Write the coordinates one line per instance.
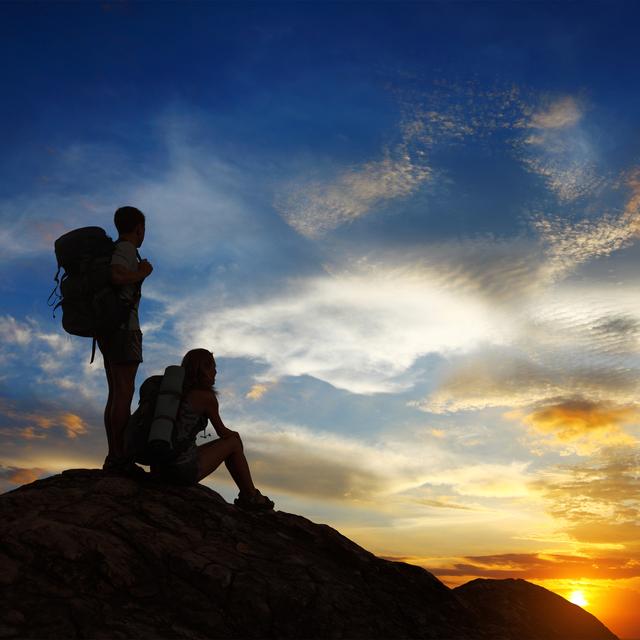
(74, 425)
(257, 391)
(599, 500)
(570, 419)
(19, 475)
(585, 425)
(36, 424)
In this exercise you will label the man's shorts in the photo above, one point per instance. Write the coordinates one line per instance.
(122, 346)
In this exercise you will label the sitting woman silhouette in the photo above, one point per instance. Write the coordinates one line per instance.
(199, 404)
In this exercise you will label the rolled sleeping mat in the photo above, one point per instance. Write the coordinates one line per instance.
(160, 441)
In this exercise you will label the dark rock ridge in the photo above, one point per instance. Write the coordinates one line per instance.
(530, 611)
(86, 555)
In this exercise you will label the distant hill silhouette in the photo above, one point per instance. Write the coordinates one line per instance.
(85, 555)
(530, 611)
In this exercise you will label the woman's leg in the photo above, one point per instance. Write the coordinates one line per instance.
(230, 451)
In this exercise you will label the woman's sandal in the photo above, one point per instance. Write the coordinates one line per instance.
(256, 502)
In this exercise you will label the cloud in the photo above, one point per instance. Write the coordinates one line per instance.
(492, 378)
(357, 330)
(257, 391)
(561, 113)
(43, 361)
(598, 499)
(546, 400)
(504, 272)
(451, 113)
(73, 425)
(20, 475)
(588, 424)
(322, 465)
(29, 433)
(13, 332)
(408, 476)
(571, 244)
(33, 425)
(487, 480)
(314, 207)
(446, 115)
(543, 566)
(555, 146)
(79, 191)
(507, 377)
(572, 340)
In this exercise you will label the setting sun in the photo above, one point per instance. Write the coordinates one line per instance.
(577, 597)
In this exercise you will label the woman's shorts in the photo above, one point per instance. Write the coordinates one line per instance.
(122, 346)
(185, 473)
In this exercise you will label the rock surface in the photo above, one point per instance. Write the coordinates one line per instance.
(86, 555)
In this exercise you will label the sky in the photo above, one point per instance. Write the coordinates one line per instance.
(408, 233)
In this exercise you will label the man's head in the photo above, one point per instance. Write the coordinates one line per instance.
(129, 222)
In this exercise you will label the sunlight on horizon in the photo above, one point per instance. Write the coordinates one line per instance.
(578, 597)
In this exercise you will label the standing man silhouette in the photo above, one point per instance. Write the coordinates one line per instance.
(122, 349)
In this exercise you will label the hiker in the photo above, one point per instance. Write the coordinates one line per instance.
(122, 348)
(200, 404)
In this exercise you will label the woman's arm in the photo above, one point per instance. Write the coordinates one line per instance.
(213, 413)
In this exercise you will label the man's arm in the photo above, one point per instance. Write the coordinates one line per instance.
(120, 275)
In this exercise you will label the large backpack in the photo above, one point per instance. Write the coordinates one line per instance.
(91, 304)
(150, 433)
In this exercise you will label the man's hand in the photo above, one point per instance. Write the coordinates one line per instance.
(121, 276)
(145, 267)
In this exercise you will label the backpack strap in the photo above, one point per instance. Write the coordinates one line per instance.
(53, 293)
(139, 283)
(93, 349)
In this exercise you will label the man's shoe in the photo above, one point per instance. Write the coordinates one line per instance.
(123, 467)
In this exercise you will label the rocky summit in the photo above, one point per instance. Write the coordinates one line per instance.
(88, 555)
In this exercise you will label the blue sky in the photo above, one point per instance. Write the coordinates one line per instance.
(407, 231)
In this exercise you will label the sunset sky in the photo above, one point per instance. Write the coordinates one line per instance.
(409, 234)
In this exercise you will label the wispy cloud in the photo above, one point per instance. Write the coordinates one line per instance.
(449, 114)
(508, 377)
(315, 207)
(571, 244)
(567, 341)
(598, 499)
(556, 147)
